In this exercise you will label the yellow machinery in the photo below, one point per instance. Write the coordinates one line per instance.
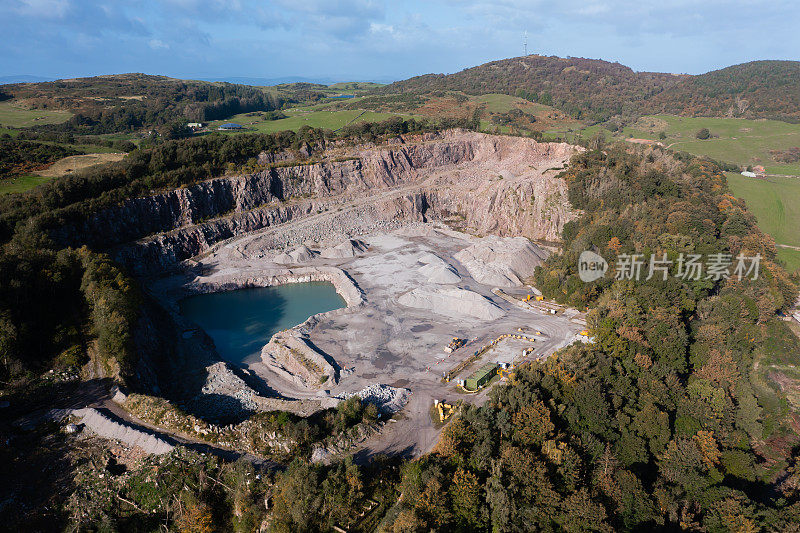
(445, 410)
(540, 298)
(506, 372)
(585, 333)
(455, 344)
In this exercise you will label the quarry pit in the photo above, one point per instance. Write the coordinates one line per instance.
(415, 238)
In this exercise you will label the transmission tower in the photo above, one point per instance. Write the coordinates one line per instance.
(526, 43)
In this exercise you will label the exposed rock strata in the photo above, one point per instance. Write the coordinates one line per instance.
(492, 184)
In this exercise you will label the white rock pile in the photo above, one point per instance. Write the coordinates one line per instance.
(387, 399)
(345, 249)
(501, 261)
(452, 302)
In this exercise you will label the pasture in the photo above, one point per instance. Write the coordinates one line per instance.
(11, 114)
(739, 141)
(775, 202)
(299, 117)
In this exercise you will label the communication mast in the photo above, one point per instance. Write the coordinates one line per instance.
(526, 43)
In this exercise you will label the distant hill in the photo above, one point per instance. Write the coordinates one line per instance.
(127, 102)
(584, 88)
(23, 79)
(765, 89)
(596, 90)
(265, 82)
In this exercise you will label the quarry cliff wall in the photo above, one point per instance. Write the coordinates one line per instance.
(490, 184)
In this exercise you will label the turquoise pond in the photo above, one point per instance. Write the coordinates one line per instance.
(241, 322)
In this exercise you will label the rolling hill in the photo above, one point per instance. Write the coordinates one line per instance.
(592, 89)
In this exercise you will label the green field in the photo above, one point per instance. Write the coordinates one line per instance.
(775, 202)
(21, 183)
(297, 118)
(18, 117)
(791, 259)
(740, 141)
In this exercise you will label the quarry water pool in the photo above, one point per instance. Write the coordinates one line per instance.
(241, 322)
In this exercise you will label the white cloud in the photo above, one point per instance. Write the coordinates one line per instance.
(157, 44)
(43, 8)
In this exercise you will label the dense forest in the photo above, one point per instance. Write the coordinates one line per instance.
(760, 89)
(595, 90)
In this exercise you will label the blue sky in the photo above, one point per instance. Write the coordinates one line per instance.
(373, 39)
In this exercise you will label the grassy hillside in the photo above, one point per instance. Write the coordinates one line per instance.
(14, 115)
(296, 119)
(739, 141)
(776, 204)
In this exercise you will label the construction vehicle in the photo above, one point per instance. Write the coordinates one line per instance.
(584, 333)
(505, 372)
(445, 410)
(540, 298)
(454, 345)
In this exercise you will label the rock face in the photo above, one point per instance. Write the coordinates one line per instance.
(452, 302)
(501, 261)
(492, 184)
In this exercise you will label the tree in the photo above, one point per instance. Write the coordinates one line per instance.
(196, 518)
(703, 134)
(532, 423)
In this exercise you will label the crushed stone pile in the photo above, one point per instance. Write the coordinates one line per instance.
(282, 259)
(345, 249)
(440, 273)
(452, 302)
(387, 399)
(301, 254)
(501, 261)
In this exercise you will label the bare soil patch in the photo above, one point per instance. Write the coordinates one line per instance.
(70, 164)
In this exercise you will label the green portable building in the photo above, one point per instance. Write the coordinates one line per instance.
(481, 377)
